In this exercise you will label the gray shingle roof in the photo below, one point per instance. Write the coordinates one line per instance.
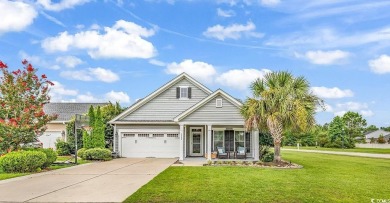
(376, 134)
(66, 111)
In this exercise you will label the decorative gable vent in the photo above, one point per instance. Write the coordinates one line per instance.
(218, 103)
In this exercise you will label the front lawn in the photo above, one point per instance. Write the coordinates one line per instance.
(324, 178)
(56, 166)
(363, 150)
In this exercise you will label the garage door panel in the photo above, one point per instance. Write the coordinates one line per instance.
(159, 145)
(49, 138)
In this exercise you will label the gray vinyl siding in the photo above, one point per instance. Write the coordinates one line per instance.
(146, 127)
(166, 106)
(209, 113)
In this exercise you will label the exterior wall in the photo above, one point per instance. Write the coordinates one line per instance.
(378, 146)
(56, 127)
(166, 106)
(209, 113)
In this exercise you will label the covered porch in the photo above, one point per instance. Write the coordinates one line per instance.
(202, 141)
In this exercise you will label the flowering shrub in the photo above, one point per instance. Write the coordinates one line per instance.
(22, 96)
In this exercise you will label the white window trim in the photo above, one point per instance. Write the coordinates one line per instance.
(223, 137)
(216, 103)
(182, 87)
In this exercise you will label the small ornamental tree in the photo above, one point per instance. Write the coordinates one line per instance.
(22, 96)
(98, 130)
(381, 139)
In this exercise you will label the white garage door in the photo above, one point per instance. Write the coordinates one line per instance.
(49, 138)
(150, 144)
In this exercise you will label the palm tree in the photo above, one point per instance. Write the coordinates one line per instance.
(280, 102)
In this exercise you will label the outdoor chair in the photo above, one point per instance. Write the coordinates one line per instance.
(221, 153)
(241, 153)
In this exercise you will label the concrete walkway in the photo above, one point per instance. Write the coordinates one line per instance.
(382, 156)
(111, 181)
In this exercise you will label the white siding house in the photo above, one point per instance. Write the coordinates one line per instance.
(183, 118)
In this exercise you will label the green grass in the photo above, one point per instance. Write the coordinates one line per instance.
(4, 175)
(363, 150)
(324, 178)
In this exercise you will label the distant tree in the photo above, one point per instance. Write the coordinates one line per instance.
(109, 112)
(386, 128)
(70, 136)
(354, 125)
(388, 141)
(336, 128)
(381, 139)
(372, 140)
(22, 96)
(370, 128)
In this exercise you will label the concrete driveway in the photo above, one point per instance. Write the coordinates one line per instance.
(110, 181)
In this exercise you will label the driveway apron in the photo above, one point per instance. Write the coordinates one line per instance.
(111, 181)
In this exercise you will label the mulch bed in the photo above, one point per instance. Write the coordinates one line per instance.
(282, 165)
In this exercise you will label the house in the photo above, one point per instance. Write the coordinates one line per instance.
(376, 134)
(57, 128)
(183, 118)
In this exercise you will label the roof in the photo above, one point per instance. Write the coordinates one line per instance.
(66, 111)
(207, 99)
(377, 133)
(158, 92)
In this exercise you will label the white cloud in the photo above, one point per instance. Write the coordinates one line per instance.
(199, 70)
(121, 97)
(123, 40)
(331, 93)
(69, 61)
(270, 2)
(225, 13)
(38, 61)
(88, 98)
(16, 16)
(58, 91)
(325, 57)
(91, 74)
(157, 62)
(361, 108)
(234, 31)
(353, 106)
(367, 113)
(328, 108)
(240, 78)
(62, 5)
(380, 65)
(329, 38)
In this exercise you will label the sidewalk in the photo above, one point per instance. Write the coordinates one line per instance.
(382, 156)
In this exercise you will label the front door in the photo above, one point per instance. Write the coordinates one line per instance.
(196, 142)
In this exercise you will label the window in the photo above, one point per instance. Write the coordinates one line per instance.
(158, 135)
(239, 138)
(128, 135)
(218, 139)
(143, 135)
(173, 135)
(183, 92)
(218, 103)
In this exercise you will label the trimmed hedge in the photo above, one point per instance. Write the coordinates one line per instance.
(51, 155)
(23, 161)
(62, 148)
(80, 152)
(97, 154)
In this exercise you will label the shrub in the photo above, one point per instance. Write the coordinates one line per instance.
(80, 152)
(62, 148)
(268, 157)
(23, 161)
(51, 155)
(97, 154)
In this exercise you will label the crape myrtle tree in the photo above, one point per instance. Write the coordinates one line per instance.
(23, 94)
(280, 102)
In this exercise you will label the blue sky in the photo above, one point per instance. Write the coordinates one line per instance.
(123, 50)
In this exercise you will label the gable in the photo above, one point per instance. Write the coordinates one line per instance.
(165, 106)
(210, 113)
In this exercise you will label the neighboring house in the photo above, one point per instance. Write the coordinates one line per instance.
(376, 134)
(183, 118)
(65, 111)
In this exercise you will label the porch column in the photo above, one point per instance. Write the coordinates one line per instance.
(181, 153)
(255, 136)
(185, 141)
(209, 142)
